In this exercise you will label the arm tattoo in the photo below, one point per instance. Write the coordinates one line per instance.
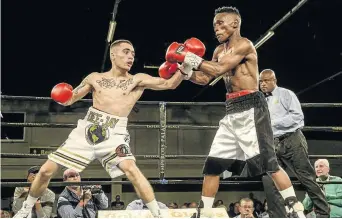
(111, 83)
(84, 82)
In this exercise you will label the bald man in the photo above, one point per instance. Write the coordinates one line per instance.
(333, 192)
(287, 120)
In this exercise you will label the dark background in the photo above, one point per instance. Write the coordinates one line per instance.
(47, 42)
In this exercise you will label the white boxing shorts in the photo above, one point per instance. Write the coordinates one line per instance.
(243, 144)
(100, 136)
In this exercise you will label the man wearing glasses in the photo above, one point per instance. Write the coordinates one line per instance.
(291, 148)
(75, 201)
(246, 208)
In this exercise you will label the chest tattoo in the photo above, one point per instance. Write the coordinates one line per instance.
(111, 83)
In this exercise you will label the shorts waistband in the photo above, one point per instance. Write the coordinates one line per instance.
(105, 119)
(239, 94)
(245, 102)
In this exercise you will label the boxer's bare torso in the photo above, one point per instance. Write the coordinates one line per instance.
(245, 75)
(118, 95)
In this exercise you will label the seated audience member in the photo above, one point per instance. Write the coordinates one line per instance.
(5, 213)
(118, 204)
(76, 201)
(218, 203)
(333, 192)
(172, 205)
(43, 206)
(235, 210)
(192, 205)
(246, 208)
(264, 212)
(257, 209)
(185, 205)
(140, 205)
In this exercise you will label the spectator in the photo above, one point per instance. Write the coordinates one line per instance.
(140, 205)
(185, 205)
(255, 201)
(118, 204)
(264, 214)
(257, 208)
(231, 210)
(236, 211)
(43, 206)
(5, 213)
(218, 203)
(172, 205)
(246, 208)
(192, 205)
(333, 192)
(78, 202)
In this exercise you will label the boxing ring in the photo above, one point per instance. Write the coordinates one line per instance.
(162, 128)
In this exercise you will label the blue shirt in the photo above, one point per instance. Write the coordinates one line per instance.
(285, 111)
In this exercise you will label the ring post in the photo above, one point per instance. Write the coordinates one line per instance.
(162, 140)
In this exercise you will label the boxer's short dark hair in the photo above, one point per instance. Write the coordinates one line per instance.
(226, 9)
(118, 42)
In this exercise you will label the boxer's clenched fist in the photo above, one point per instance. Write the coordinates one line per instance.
(195, 46)
(61, 93)
(167, 69)
(187, 53)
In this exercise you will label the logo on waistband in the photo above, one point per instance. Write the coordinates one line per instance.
(96, 118)
(96, 133)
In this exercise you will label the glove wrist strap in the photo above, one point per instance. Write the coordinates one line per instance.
(186, 70)
(193, 60)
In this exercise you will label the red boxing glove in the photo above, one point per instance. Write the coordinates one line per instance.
(167, 69)
(176, 53)
(195, 46)
(181, 53)
(61, 93)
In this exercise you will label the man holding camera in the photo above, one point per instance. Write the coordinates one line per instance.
(78, 202)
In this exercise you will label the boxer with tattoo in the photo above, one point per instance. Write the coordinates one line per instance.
(102, 134)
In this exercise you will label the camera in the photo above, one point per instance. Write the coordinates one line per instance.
(93, 189)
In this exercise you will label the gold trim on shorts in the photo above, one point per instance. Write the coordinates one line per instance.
(63, 162)
(66, 157)
(72, 153)
(111, 157)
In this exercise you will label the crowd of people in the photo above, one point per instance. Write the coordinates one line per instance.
(85, 201)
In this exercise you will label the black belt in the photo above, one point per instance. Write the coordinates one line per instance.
(282, 137)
